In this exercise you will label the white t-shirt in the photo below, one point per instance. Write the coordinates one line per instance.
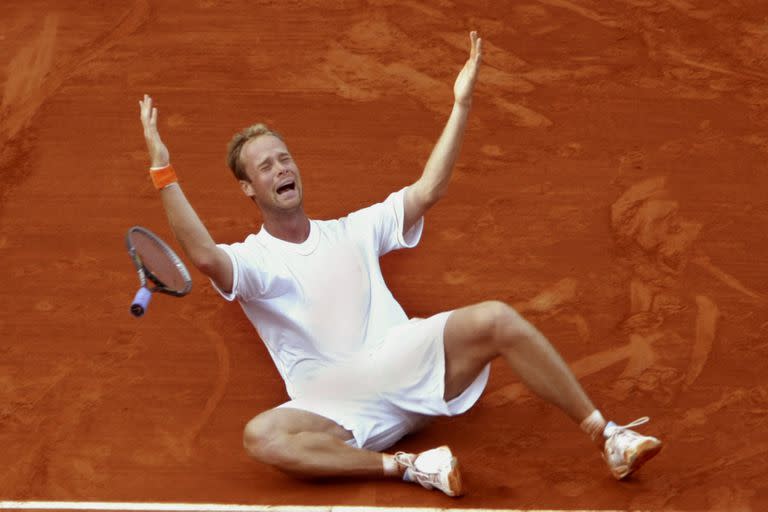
(318, 303)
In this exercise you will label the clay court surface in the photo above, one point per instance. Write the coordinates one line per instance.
(612, 186)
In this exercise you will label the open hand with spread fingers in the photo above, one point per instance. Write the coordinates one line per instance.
(465, 82)
(158, 153)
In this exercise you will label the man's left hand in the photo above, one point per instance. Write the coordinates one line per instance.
(465, 82)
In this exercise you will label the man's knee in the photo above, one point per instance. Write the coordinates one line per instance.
(262, 437)
(506, 326)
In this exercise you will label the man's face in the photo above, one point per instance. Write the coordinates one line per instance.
(275, 181)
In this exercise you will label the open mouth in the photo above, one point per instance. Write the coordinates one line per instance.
(282, 189)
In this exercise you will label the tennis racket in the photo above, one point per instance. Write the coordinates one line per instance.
(159, 268)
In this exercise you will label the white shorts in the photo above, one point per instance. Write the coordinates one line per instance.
(392, 389)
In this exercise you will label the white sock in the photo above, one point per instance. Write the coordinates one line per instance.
(391, 468)
(593, 425)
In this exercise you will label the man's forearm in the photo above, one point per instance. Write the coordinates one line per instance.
(437, 172)
(187, 226)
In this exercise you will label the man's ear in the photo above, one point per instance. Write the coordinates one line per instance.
(247, 188)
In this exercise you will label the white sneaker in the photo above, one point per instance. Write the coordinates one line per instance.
(434, 469)
(626, 450)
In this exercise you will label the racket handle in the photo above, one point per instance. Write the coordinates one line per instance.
(140, 301)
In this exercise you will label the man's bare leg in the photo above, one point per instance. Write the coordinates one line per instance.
(307, 445)
(477, 334)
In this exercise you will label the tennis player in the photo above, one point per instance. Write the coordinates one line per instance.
(359, 373)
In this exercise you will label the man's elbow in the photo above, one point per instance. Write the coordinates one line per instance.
(205, 261)
(205, 266)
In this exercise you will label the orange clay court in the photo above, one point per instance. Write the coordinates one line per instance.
(612, 187)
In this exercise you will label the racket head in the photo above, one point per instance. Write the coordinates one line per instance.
(157, 262)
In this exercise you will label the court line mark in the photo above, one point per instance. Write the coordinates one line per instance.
(207, 507)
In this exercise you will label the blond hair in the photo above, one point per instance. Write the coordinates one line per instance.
(238, 142)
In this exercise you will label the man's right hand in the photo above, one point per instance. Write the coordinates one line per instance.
(158, 153)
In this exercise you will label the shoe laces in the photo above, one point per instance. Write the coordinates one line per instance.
(405, 460)
(612, 429)
(636, 423)
(408, 462)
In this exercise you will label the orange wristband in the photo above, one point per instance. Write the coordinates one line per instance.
(163, 177)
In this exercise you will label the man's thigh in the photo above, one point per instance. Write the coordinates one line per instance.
(288, 420)
(469, 347)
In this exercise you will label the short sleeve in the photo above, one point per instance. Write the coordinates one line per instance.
(382, 225)
(250, 274)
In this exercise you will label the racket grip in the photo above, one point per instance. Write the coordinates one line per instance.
(140, 301)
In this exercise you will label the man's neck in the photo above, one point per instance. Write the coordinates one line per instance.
(292, 228)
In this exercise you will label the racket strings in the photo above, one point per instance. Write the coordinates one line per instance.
(161, 265)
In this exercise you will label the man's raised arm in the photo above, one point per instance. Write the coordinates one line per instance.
(432, 184)
(185, 224)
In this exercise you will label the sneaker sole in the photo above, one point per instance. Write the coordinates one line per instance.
(645, 452)
(455, 484)
(454, 479)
